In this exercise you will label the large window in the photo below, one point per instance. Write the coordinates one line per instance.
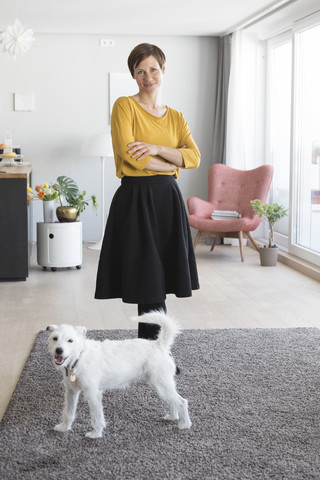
(306, 143)
(293, 137)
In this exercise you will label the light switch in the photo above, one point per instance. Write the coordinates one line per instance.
(24, 102)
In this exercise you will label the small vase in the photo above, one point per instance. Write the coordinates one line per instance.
(49, 211)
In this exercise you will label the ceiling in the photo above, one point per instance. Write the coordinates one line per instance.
(139, 17)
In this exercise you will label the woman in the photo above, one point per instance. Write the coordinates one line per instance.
(147, 249)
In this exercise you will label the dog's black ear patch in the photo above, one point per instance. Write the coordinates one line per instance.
(50, 328)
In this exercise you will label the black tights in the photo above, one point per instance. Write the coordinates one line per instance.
(148, 307)
(149, 330)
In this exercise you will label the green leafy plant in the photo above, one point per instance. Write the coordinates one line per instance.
(69, 190)
(272, 213)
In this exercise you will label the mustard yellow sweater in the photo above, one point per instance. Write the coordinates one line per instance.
(131, 123)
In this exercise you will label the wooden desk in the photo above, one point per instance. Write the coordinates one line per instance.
(14, 247)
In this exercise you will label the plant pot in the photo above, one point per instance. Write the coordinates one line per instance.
(268, 256)
(67, 214)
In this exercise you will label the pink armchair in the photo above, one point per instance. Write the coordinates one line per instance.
(230, 189)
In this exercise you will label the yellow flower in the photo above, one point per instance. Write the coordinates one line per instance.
(46, 185)
(29, 189)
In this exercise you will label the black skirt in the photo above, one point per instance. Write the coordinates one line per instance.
(147, 250)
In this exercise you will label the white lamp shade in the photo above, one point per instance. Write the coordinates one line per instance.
(98, 145)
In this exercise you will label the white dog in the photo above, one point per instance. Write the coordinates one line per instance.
(92, 367)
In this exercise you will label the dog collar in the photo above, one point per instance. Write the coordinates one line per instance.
(72, 377)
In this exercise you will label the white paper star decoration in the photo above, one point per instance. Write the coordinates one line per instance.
(16, 40)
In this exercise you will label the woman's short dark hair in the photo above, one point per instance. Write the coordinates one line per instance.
(142, 51)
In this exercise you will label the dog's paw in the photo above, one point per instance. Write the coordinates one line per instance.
(171, 417)
(184, 424)
(61, 428)
(94, 434)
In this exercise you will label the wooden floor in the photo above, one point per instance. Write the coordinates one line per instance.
(232, 295)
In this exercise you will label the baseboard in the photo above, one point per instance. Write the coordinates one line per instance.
(296, 263)
(300, 265)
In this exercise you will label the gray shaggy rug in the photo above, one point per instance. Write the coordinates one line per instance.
(254, 400)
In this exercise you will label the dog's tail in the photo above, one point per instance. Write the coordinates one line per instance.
(169, 327)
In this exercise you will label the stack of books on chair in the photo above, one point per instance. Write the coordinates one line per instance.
(225, 215)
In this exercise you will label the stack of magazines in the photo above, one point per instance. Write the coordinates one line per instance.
(224, 215)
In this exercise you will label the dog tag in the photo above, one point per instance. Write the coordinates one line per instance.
(73, 378)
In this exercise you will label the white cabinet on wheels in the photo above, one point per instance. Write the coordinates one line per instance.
(59, 245)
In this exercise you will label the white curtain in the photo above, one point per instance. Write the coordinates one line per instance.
(244, 121)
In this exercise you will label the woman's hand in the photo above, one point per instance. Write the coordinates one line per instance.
(158, 165)
(142, 150)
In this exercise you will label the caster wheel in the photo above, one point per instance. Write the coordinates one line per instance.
(44, 268)
(78, 267)
(53, 269)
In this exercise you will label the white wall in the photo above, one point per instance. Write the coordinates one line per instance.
(68, 74)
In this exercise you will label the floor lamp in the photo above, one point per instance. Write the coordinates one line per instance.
(99, 145)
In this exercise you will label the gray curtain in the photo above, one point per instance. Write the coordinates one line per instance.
(220, 122)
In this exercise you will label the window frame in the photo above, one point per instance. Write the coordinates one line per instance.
(277, 41)
(288, 243)
(298, 250)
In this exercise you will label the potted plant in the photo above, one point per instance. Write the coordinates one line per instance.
(272, 213)
(76, 200)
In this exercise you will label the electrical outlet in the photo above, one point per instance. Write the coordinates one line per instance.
(106, 42)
